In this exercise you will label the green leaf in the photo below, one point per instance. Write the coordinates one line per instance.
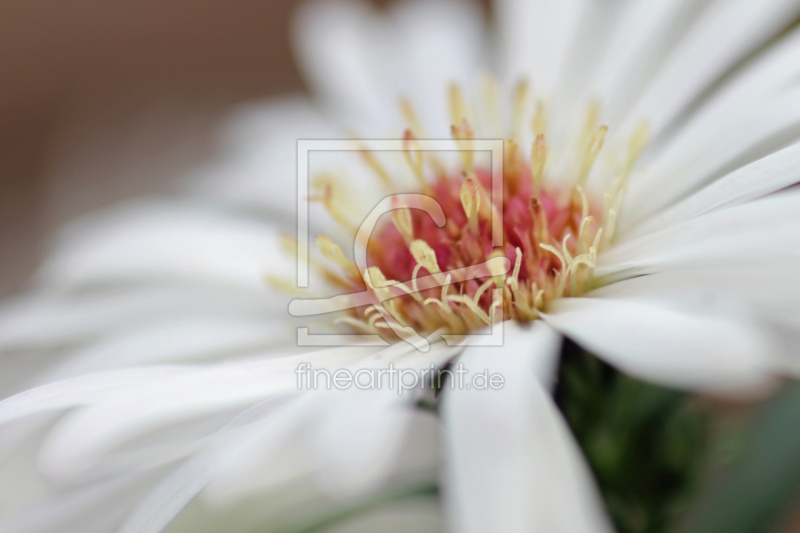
(766, 476)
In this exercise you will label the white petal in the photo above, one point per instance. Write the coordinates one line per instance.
(513, 464)
(49, 320)
(173, 493)
(292, 442)
(80, 391)
(442, 41)
(647, 32)
(766, 292)
(765, 176)
(770, 74)
(765, 230)
(337, 53)
(84, 437)
(599, 22)
(360, 62)
(158, 241)
(158, 508)
(257, 163)
(536, 37)
(726, 32)
(740, 140)
(662, 344)
(295, 509)
(176, 340)
(364, 428)
(97, 508)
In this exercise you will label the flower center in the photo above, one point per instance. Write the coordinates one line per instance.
(456, 277)
(549, 236)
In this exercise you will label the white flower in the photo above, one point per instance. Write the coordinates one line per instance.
(164, 369)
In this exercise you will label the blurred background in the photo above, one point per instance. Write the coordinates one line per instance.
(100, 100)
(103, 100)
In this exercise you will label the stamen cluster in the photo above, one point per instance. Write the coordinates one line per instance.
(551, 236)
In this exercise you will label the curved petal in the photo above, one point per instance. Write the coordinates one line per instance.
(80, 391)
(663, 344)
(740, 139)
(96, 508)
(84, 437)
(361, 63)
(726, 32)
(770, 174)
(256, 166)
(345, 439)
(536, 38)
(53, 320)
(722, 125)
(513, 464)
(163, 241)
(363, 428)
(174, 340)
(647, 32)
(177, 489)
(758, 232)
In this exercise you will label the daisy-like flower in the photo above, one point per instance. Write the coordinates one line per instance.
(646, 214)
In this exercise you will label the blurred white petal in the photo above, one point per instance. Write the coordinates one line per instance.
(512, 463)
(765, 230)
(53, 320)
(659, 343)
(361, 62)
(726, 32)
(344, 437)
(536, 36)
(774, 172)
(83, 436)
(762, 131)
(187, 340)
(94, 509)
(162, 241)
(647, 32)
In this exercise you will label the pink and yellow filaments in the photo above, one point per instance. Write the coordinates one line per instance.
(551, 235)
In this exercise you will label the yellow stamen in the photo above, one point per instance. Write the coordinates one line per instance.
(491, 98)
(637, 144)
(540, 227)
(333, 253)
(497, 270)
(374, 278)
(513, 280)
(464, 136)
(540, 153)
(414, 157)
(410, 115)
(539, 121)
(520, 98)
(458, 106)
(471, 202)
(481, 290)
(401, 218)
(377, 167)
(366, 327)
(332, 195)
(425, 256)
(593, 147)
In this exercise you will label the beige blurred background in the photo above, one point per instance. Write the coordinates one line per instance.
(102, 99)
(99, 100)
